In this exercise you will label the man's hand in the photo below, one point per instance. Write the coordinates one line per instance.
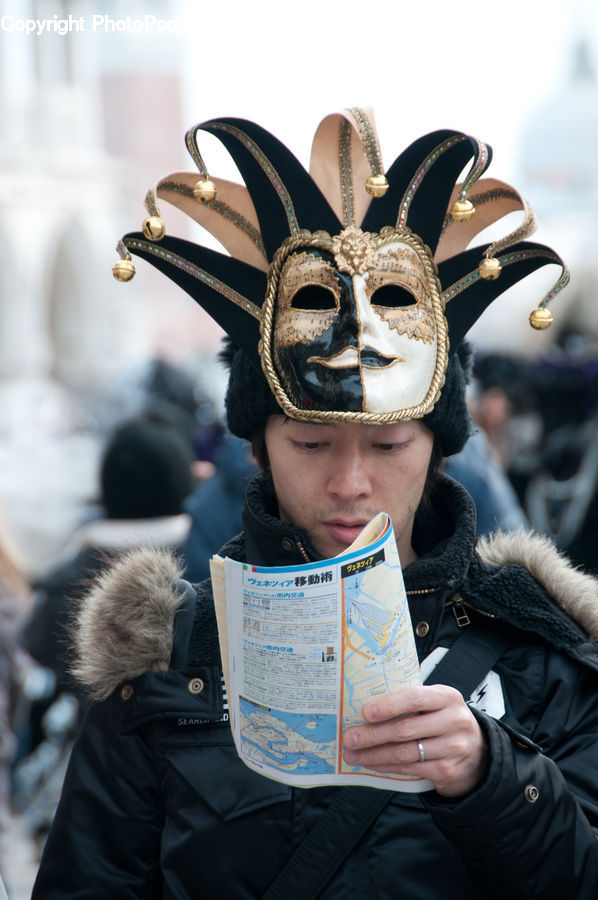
(454, 747)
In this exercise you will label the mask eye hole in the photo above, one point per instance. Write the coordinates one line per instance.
(392, 296)
(313, 296)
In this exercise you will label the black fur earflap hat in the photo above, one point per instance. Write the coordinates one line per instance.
(348, 291)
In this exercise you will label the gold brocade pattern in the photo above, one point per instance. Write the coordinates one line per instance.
(416, 322)
(302, 270)
(482, 198)
(397, 267)
(346, 172)
(151, 203)
(197, 272)
(267, 168)
(459, 286)
(419, 176)
(223, 209)
(477, 169)
(191, 143)
(527, 227)
(369, 140)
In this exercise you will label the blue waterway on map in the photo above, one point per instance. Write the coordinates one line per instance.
(354, 594)
(323, 731)
(356, 602)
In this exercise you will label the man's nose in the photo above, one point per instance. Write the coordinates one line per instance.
(349, 477)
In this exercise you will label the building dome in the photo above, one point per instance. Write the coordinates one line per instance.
(559, 158)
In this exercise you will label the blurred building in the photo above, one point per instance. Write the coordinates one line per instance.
(79, 146)
(560, 165)
(559, 177)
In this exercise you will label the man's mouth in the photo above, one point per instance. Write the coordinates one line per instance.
(351, 357)
(345, 531)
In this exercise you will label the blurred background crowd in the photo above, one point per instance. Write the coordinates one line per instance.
(111, 396)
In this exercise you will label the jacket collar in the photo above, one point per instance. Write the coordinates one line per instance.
(444, 535)
(268, 540)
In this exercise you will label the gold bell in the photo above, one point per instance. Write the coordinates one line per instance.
(489, 268)
(540, 318)
(153, 228)
(205, 190)
(123, 270)
(462, 210)
(376, 185)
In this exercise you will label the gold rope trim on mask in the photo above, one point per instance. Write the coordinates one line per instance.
(368, 139)
(196, 272)
(346, 172)
(419, 176)
(459, 286)
(323, 241)
(268, 169)
(223, 209)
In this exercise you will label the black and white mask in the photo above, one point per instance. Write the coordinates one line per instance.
(358, 326)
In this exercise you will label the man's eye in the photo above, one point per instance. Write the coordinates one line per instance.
(313, 296)
(392, 296)
(390, 447)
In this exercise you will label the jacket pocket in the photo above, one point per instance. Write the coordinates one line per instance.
(223, 783)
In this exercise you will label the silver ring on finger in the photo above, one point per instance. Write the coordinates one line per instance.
(420, 747)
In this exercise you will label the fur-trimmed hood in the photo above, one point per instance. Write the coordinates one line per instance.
(574, 591)
(124, 626)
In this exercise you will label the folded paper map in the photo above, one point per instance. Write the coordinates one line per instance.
(304, 648)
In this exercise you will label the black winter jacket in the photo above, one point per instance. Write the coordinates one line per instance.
(156, 803)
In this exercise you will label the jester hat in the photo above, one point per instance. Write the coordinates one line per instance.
(346, 291)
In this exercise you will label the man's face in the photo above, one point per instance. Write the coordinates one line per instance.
(356, 338)
(331, 479)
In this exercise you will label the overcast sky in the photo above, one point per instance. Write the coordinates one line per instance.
(460, 64)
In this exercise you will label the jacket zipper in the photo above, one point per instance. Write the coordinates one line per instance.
(458, 606)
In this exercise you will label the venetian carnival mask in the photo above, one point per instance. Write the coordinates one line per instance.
(350, 288)
(355, 319)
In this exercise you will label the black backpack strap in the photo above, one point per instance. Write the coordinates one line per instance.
(183, 624)
(323, 850)
(471, 657)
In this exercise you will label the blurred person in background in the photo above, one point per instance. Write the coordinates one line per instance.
(542, 415)
(222, 466)
(561, 492)
(14, 605)
(480, 468)
(145, 478)
(216, 503)
(477, 468)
